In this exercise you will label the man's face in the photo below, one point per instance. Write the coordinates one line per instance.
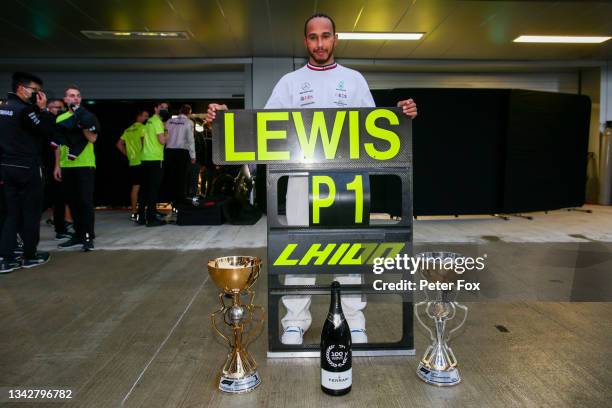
(160, 107)
(320, 41)
(72, 97)
(25, 91)
(142, 117)
(55, 106)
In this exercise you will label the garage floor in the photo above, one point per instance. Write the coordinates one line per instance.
(132, 327)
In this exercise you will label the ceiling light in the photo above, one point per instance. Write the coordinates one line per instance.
(560, 39)
(135, 35)
(380, 36)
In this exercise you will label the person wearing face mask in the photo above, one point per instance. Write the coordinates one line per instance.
(72, 121)
(130, 144)
(25, 128)
(152, 158)
(54, 197)
(56, 106)
(78, 130)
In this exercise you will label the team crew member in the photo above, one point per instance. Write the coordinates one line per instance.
(77, 174)
(322, 83)
(56, 106)
(54, 196)
(24, 130)
(152, 166)
(180, 152)
(130, 144)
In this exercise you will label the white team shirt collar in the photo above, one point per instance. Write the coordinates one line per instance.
(321, 68)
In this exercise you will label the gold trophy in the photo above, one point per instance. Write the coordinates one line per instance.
(234, 276)
(439, 365)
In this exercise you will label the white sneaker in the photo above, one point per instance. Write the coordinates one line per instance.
(293, 335)
(359, 336)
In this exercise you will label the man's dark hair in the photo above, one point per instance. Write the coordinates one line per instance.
(185, 109)
(55, 100)
(140, 111)
(319, 15)
(159, 103)
(75, 87)
(24, 79)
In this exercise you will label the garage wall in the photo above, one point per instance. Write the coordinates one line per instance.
(266, 72)
(206, 85)
(566, 82)
(143, 85)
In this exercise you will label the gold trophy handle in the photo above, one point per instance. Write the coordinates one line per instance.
(255, 330)
(214, 320)
(257, 322)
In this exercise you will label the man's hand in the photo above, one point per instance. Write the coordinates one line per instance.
(57, 173)
(121, 146)
(193, 161)
(408, 107)
(41, 100)
(212, 110)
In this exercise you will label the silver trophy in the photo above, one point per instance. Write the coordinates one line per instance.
(439, 365)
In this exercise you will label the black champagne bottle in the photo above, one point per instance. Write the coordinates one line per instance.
(336, 355)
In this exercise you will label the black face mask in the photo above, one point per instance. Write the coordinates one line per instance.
(32, 99)
(164, 114)
(144, 122)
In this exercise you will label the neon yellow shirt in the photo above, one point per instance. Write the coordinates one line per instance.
(152, 150)
(132, 137)
(87, 158)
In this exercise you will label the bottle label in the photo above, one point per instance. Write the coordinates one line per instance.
(337, 381)
(337, 355)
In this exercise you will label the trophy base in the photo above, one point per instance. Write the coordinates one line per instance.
(239, 385)
(440, 378)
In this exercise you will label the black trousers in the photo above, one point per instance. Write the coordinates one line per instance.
(2, 207)
(54, 199)
(23, 197)
(78, 185)
(59, 207)
(152, 174)
(177, 164)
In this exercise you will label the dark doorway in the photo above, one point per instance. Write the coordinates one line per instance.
(112, 181)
